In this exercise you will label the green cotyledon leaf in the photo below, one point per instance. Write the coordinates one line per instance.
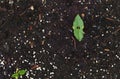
(22, 72)
(78, 27)
(15, 75)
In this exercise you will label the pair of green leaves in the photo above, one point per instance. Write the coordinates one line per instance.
(18, 73)
(78, 27)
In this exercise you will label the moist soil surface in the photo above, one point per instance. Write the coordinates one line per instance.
(37, 35)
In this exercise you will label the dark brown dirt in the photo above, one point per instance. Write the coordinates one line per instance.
(37, 35)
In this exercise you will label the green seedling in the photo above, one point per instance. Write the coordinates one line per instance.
(18, 73)
(78, 27)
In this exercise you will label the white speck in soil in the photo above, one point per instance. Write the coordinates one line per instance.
(51, 73)
(32, 7)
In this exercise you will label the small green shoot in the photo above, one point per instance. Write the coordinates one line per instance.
(78, 27)
(15, 75)
(18, 73)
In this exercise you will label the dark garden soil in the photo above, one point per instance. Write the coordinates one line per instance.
(37, 35)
